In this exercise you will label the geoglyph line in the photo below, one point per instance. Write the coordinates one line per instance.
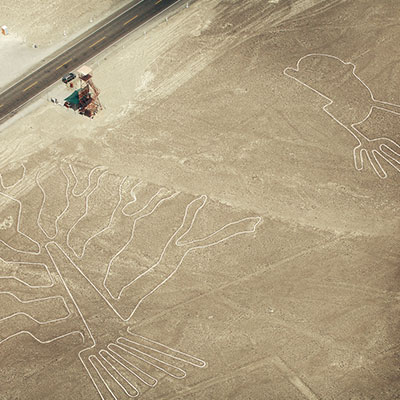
(86, 211)
(43, 203)
(117, 343)
(7, 154)
(37, 321)
(47, 322)
(383, 147)
(102, 230)
(25, 283)
(128, 349)
(258, 219)
(177, 242)
(131, 238)
(134, 351)
(133, 195)
(89, 179)
(116, 357)
(115, 371)
(122, 349)
(294, 379)
(88, 280)
(43, 341)
(19, 230)
(16, 183)
(35, 301)
(199, 363)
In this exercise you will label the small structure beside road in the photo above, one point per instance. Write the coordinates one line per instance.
(86, 99)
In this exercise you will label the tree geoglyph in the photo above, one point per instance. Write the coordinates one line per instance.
(54, 291)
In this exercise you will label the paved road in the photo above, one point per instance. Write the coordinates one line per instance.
(13, 98)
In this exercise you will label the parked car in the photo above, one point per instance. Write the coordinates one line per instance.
(69, 77)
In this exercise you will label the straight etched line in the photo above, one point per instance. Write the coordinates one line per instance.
(294, 379)
(200, 387)
(245, 278)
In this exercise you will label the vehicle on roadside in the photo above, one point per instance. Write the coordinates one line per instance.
(69, 77)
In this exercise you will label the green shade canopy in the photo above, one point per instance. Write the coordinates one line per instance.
(73, 98)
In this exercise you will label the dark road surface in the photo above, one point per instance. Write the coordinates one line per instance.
(17, 95)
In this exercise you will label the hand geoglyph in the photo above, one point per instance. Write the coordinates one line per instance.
(350, 103)
(82, 301)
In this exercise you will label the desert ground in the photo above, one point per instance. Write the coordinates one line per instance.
(227, 227)
(37, 29)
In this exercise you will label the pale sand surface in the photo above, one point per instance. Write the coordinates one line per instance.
(38, 28)
(303, 302)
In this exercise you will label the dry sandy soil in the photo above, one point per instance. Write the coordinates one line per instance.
(44, 22)
(219, 123)
(38, 28)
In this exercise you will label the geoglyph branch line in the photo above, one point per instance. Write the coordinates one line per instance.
(17, 182)
(44, 202)
(89, 179)
(176, 241)
(101, 231)
(18, 251)
(25, 283)
(19, 230)
(113, 359)
(132, 235)
(35, 301)
(86, 211)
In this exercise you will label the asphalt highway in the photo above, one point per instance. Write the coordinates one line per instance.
(12, 99)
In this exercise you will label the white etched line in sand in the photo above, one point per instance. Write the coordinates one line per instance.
(44, 202)
(115, 371)
(7, 154)
(108, 226)
(110, 356)
(141, 215)
(175, 239)
(36, 287)
(106, 374)
(19, 230)
(17, 182)
(24, 282)
(370, 149)
(133, 349)
(86, 210)
(294, 379)
(89, 179)
(196, 362)
(43, 299)
(135, 371)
